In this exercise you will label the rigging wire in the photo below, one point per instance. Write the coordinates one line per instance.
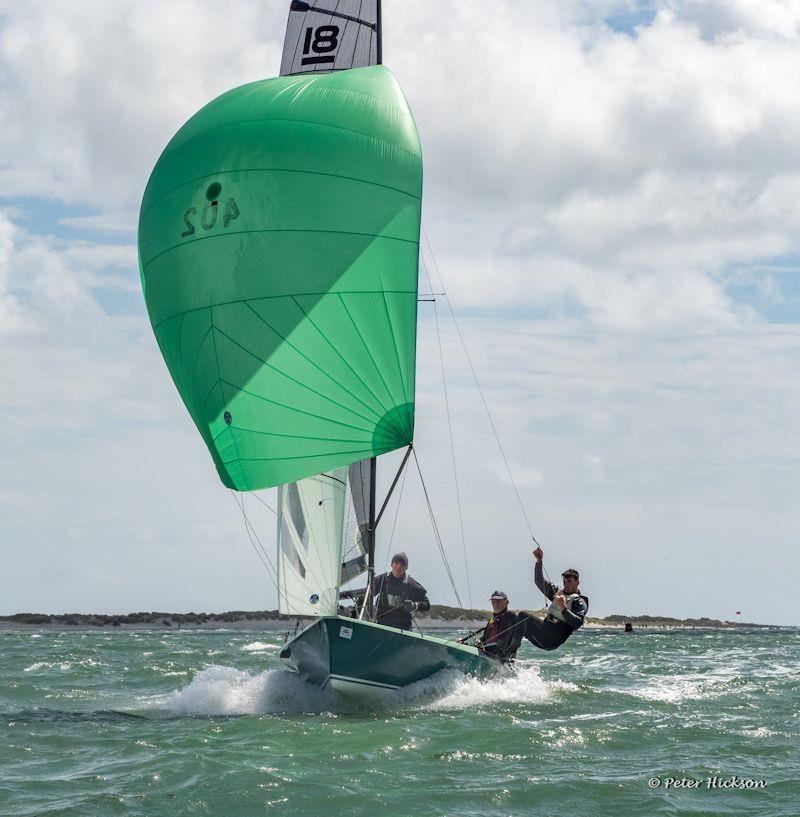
(437, 536)
(453, 455)
(268, 507)
(449, 426)
(480, 390)
(394, 523)
(478, 386)
(262, 553)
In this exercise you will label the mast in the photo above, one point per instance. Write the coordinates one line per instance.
(373, 470)
(379, 33)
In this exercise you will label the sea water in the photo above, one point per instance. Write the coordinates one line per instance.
(175, 722)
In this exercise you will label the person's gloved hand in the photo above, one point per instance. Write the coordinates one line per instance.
(410, 605)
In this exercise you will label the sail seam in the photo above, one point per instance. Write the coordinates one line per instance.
(307, 358)
(333, 347)
(291, 436)
(293, 296)
(292, 379)
(396, 353)
(303, 457)
(180, 354)
(357, 179)
(297, 410)
(222, 394)
(197, 356)
(388, 419)
(374, 236)
(270, 120)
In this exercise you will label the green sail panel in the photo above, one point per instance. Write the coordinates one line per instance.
(278, 248)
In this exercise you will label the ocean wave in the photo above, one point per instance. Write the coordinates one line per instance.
(452, 690)
(258, 646)
(62, 666)
(219, 690)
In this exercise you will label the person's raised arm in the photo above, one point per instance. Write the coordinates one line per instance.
(546, 587)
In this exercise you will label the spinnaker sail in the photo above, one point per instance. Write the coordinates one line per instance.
(278, 245)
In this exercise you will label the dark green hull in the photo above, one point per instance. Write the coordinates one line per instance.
(362, 659)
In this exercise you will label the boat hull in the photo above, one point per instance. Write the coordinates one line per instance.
(365, 660)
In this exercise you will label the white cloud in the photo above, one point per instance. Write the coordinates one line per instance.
(11, 319)
(120, 221)
(93, 91)
(604, 179)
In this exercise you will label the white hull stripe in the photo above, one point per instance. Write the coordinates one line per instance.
(359, 681)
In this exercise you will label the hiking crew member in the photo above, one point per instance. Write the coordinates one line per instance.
(565, 614)
(397, 595)
(503, 634)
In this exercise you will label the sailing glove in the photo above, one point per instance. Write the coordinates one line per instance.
(410, 606)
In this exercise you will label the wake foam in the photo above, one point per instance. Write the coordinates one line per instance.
(228, 691)
(220, 690)
(451, 690)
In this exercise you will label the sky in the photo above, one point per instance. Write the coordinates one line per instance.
(611, 196)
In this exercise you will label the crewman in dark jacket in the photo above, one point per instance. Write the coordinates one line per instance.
(565, 614)
(396, 595)
(503, 634)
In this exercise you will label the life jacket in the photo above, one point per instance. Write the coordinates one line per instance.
(556, 611)
(498, 626)
(491, 631)
(394, 601)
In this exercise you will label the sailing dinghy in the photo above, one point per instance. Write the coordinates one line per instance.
(279, 248)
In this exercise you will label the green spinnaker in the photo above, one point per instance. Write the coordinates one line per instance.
(278, 247)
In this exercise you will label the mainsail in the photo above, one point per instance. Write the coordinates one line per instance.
(354, 561)
(331, 35)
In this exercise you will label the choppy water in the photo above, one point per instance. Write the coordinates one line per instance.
(209, 723)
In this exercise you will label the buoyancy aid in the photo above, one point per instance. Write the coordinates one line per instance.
(395, 600)
(556, 611)
(492, 631)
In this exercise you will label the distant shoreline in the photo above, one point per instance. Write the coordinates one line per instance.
(440, 617)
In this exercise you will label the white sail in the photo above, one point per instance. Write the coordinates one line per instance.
(310, 531)
(331, 35)
(354, 559)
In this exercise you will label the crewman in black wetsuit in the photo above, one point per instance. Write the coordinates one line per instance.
(565, 614)
(503, 634)
(397, 595)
